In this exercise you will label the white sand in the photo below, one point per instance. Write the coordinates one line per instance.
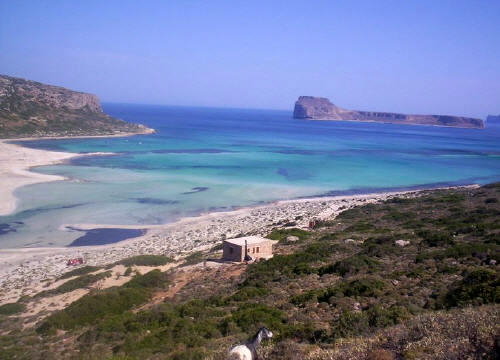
(15, 162)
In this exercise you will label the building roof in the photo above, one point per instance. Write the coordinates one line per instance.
(250, 240)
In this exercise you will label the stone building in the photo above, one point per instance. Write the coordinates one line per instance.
(256, 247)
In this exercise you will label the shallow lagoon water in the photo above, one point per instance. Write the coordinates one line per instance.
(205, 159)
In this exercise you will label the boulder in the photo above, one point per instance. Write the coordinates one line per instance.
(402, 243)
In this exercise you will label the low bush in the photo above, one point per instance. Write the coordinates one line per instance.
(79, 271)
(250, 317)
(464, 250)
(351, 265)
(479, 286)
(11, 308)
(353, 324)
(282, 234)
(73, 284)
(194, 258)
(152, 279)
(364, 287)
(296, 264)
(434, 238)
(248, 292)
(93, 307)
(146, 260)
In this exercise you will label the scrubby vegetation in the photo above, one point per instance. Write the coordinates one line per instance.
(79, 271)
(146, 260)
(11, 308)
(349, 289)
(282, 234)
(76, 283)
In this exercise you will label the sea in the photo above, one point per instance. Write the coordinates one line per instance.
(212, 159)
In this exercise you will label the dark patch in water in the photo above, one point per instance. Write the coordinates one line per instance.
(196, 190)
(155, 201)
(30, 212)
(283, 172)
(6, 228)
(105, 236)
(292, 176)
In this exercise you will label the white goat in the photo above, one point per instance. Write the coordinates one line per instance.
(248, 351)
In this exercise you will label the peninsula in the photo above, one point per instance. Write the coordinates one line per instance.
(33, 109)
(319, 108)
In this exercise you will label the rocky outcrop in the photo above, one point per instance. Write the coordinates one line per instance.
(319, 108)
(33, 109)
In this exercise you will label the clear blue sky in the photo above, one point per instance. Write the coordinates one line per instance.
(419, 56)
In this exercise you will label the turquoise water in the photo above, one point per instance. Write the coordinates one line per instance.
(205, 159)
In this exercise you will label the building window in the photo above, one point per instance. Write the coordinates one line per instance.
(231, 250)
(253, 250)
(257, 249)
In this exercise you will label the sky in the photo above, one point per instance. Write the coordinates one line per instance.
(412, 56)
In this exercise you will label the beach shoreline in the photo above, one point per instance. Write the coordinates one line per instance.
(16, 163)
(22, 268)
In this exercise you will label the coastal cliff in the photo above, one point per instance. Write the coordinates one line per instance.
(33, 109)
(319, 108)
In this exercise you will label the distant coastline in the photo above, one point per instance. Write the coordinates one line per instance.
(319, 108)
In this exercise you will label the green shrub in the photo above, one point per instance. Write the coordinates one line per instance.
(248, 292)
(479, 286)
(194, 258)
(368, 287)
(351, 265)
(146, 260)
(152, 279)
(261, 273)
(128, 271)
(364, 287)
(93, 307)
(11, 308)
(308, 296)
(282, 234)
(79, 271)
(354, 324)
(434, 239)
(76, 283)
(250, 317)
(463, 250)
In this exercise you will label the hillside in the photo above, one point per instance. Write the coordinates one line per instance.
(32, 109)
(318, 108)
(408, 278)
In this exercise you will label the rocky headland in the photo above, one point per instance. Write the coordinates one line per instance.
(33, 109)
(319, 108)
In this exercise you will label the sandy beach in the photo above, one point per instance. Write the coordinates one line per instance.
(15, 164)
(22, 270)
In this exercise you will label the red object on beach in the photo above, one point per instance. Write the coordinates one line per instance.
(312, 224)
(75, 261)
